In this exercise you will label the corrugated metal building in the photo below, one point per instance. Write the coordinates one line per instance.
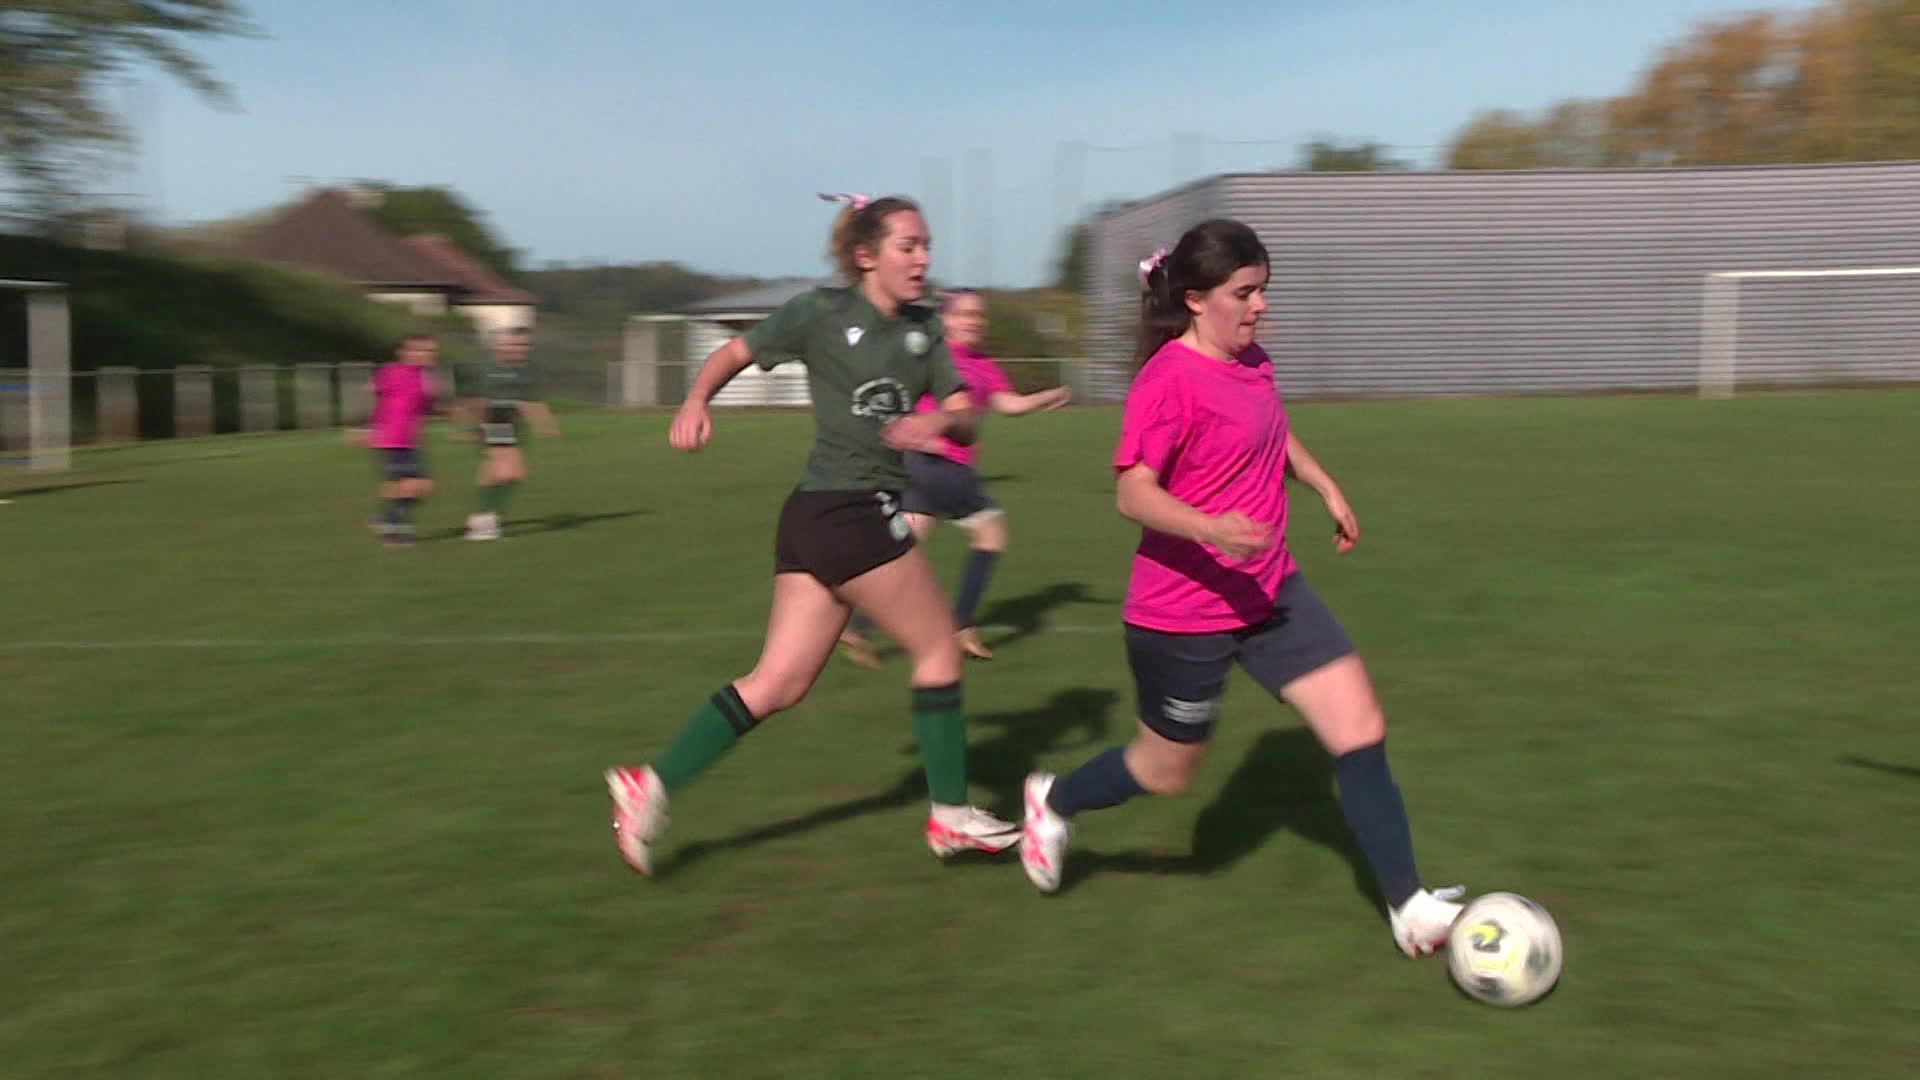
(1551, 281)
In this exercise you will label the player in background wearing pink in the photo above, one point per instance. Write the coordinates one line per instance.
(1205, 451)
(403, 398)
(946, 485)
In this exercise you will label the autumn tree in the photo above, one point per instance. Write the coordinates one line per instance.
(1332, 155)
(1841, 82)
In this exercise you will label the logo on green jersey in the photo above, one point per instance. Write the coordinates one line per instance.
(880, 398)
(917, 342)
(890, 509)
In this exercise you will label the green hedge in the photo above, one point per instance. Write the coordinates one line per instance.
(153, 311)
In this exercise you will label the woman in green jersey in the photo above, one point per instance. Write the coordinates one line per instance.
(843, 543)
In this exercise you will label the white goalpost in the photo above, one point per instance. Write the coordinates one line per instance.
(1720, 316)
(44, 390)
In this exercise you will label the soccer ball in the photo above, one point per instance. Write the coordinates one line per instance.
(1504, 950)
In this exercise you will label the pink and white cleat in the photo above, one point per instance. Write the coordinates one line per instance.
(953, 829)
(1043, 841)
(1421, 925)
(639, 813)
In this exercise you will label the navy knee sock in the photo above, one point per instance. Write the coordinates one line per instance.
(973, 585)
(1102, 782)
(1371, 803)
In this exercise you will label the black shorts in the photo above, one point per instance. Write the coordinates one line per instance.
(945, 489)
(838, 535)
(400, 463)
(1179, 677)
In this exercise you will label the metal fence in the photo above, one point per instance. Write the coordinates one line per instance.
(648, 383)
(122, 404)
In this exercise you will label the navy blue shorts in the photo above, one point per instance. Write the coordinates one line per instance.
(944, 489)
(400, 463)
(1179, 678)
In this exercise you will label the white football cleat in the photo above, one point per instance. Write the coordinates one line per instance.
(1043, 839)
(953, 829)
(1421, 925)
(483, 526)
(639, 813)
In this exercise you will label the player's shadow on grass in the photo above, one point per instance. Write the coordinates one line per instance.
(565, 522)
(1858, 762)
(1026, 615)
(55, 489)
(1000, 761)
(561, 522)
(1010, 621)
(1285, 784)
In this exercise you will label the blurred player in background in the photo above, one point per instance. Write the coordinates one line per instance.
(947, 486)
(403, 397)
(502, 394)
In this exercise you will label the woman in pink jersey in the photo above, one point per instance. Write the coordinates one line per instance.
(945, 485)
(1204, 455)
(403, 398)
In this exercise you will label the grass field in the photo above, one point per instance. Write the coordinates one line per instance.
(282, 803)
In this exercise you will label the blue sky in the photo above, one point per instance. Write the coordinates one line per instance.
(634, 131)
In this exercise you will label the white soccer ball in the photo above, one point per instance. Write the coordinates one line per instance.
(1504, 950)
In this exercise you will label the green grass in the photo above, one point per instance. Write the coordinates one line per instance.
(1651, 661)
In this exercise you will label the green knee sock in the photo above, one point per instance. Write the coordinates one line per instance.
(941, 729)
(709, 733)
(493, 498)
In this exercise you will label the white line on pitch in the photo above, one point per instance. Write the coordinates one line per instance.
(366, 641)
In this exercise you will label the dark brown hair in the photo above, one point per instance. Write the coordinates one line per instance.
(862, 228)
(1206, 256)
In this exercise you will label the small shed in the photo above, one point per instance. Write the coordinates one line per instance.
(662, 352)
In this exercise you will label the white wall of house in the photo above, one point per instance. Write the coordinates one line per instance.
(420, 303)
(488, 318)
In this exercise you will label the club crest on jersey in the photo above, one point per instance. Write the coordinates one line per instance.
(854, 334)
(880, 398)
(917, 342)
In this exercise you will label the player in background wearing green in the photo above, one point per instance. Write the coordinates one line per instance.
(843, 542)
(505, 399)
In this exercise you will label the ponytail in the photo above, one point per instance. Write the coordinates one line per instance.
(1206, 256)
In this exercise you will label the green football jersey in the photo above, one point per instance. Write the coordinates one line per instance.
(504, 387)
(863, 369)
